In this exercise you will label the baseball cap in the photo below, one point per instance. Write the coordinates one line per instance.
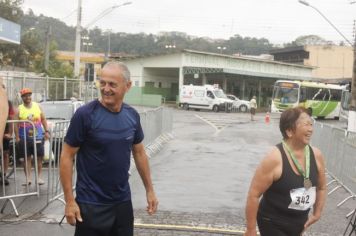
(25, 91)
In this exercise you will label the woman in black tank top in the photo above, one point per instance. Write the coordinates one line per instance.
(290, 179)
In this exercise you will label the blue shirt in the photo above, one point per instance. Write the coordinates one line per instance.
(105, 141)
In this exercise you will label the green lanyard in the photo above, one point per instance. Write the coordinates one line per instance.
(296, 163)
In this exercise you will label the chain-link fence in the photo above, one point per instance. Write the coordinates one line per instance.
(47, 88)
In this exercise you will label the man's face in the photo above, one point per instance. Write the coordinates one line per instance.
(26, 98)
(113, 86)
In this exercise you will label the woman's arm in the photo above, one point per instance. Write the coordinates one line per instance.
(269, 170)
(320, 189)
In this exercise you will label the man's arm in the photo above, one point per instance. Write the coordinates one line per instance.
(141, 161)
(44, 123)
(72, 211)
(4, 108)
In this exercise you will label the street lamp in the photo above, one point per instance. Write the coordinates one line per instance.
(87, 44)
(108, 33)
(316, 9)
(170, 46)
(221, 48)
(79, 30)
(352, 110)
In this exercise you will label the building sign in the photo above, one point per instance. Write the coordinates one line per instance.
(9, 32)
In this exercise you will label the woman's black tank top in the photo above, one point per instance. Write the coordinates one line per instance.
(275, 201)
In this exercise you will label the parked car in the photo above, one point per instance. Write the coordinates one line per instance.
(238, 104)
(58, 113)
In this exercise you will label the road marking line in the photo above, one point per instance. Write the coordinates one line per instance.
(217, 129)
(187, 227)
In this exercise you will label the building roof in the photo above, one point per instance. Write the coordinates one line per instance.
(241, 57)
(84, 56)
(286, 50)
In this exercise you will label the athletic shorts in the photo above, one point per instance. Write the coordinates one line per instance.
(269, 227)
(105, 220)
(30, 151)
(253, 111)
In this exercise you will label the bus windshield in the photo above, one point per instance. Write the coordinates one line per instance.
(285, 94)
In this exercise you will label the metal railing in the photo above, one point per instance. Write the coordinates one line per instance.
(339, 148)
(18, 183)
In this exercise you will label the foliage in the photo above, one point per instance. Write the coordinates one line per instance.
(307, 40)
(11, 10)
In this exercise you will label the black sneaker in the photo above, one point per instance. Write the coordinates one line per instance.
(6, 181)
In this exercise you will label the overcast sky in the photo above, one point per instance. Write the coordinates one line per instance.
(279, 21)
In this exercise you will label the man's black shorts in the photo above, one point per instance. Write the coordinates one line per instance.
(105, 220)
(30, 148)
(6, 144)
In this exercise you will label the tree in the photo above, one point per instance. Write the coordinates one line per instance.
(307, 40)
(11, 10)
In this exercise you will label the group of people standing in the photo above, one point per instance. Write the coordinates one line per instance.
(102, 134)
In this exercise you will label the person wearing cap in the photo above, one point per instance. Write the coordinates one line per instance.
(253, 105)
(31, 111)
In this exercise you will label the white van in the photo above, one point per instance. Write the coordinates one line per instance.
(208, 97)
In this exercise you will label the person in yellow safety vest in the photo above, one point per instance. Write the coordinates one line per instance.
(27, 135)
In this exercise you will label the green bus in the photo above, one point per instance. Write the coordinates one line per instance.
(323, 100)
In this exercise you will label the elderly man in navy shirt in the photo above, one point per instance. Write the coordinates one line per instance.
(103, 133)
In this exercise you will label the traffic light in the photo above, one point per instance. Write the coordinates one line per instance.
(89, 72)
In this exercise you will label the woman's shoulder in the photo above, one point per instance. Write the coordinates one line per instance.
(273, 158)
(318, 155)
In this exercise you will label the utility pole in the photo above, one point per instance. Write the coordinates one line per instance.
(77, 41)
(47, 49)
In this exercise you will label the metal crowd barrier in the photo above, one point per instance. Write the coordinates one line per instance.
(58, 131)
(18, 182)
(338, 147)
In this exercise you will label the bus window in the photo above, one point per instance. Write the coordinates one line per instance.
(335, 94)
(286, 95)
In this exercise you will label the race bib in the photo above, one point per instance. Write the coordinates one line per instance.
(302, 199)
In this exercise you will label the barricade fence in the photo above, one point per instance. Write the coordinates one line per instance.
(15, 182)
(338, 147)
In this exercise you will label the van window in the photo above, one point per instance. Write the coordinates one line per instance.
(199, 93)
(210, 94)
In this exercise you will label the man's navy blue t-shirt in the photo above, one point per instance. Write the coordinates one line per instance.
(105, 142)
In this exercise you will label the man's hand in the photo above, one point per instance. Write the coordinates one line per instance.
(72, 213)
(152, 202)
(46, 136)
(250, 232)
